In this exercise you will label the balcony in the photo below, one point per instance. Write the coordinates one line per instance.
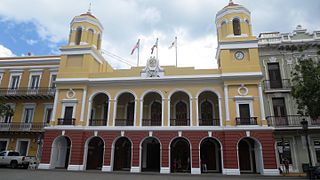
(27, 93)
(98, 122)
(20, 126)
(151, 122)
(246, 121)
(179, 122)
(290, 121)
(279, 85)
(66, 121)
(123, 122)
(209, 122)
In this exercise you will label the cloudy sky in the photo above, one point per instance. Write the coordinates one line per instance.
(42, 26)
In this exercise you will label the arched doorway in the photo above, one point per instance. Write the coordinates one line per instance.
(180, 155)
(250, 156)
(60, 152)
(150, 155)
(125, 111)
(122, 155)
(95, 153)
(210, 155)
(208, 109)
(99, 110)
(180, 109)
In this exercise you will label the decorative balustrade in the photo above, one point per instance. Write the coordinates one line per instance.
(246, 120)
(20, 126)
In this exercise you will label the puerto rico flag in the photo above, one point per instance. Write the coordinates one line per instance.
(154, 46)
(136, 46)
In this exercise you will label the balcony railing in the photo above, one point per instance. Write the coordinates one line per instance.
(283, 84)
(179, 122)
(209, 122)
(246, 120)
(24, 92)
(66, 121)
(20, 126)
(151, 122)
(291, 121)
(123, 122)
(98, 122)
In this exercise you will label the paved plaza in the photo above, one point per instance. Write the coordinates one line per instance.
(19, 174)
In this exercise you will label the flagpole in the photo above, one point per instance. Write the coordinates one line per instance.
(138, 52)
(176, 51)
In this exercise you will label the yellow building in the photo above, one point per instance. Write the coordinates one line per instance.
(163, 119)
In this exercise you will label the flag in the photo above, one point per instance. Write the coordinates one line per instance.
(174, 43)
(136, 46)
(154, 46)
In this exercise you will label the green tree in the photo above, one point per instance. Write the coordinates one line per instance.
(5, 110)
(306, 87)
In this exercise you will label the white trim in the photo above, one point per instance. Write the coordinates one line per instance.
(10, 81)
(239, 45)
(82, 51)
(20, 68)
(75, 167)
(50, 80)
(195, 170)
(83, 104)
(29, 61)
(44, 166)
(262, 112)
(135, 169)
(29, 106)
(64, 105)
(247, 101)
(227, 171)
(37, 73)
(90, 20)
(55, 104)
(106, 169)
(165, 170)
(234, 10)
(46, 107)
(23, 139)
(270, 172)
(7, 140)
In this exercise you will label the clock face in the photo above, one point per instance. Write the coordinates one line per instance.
(239, 55)
(153, 63)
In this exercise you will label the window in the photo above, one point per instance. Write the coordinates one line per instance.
(3, 145)
(236, 26)
(245, 113)
(34, 82)
(284, 151)
(279, 107)
(78, 35)
(53, 81)
(14, 82)
(22, 147)
(13, 154)
(3, 154)
(90, 36)
(274, 75)
(28, 115)
(317, 149)
(48, 115)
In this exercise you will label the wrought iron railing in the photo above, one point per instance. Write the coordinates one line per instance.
(25, 91)
(209, 122)
(66, 121)
(246, 120)
(123, 122)
(179, 122)
(291, 121)
(98, 122)
(283, 84)
(151, 122)
(21, 126)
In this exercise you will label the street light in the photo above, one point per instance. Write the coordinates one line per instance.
(304, 124)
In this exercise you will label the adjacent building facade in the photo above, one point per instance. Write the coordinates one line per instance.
(279, 53)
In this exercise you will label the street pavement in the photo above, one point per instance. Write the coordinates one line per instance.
(26, 174)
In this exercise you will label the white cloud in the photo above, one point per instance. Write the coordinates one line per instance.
(5, 52)
(31, 41)
(151, 15)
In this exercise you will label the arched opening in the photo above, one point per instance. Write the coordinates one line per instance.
(180, 155)
(208, 109)
(250, 156)
(99, 42)
(95, 153)
(60, 152)
(99, 110)
(90, 36)
(179, 109)
(210, 156)
(150, 155)
(125, 110)
(152, 109)
(122, 155)
(236, 26)
(78, 35)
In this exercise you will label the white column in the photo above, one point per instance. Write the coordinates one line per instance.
(190, 113)
(84, 96)
(226, 102)
(141, 111)
(197, 110)
(263, 116)
(55, 103)
(220, 112)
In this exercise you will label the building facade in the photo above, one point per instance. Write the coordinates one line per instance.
(163, 119)
(27, 86)
(279, 53)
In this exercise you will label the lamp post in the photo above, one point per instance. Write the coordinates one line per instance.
(304, 124)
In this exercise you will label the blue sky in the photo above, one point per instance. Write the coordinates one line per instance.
(42, 26)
